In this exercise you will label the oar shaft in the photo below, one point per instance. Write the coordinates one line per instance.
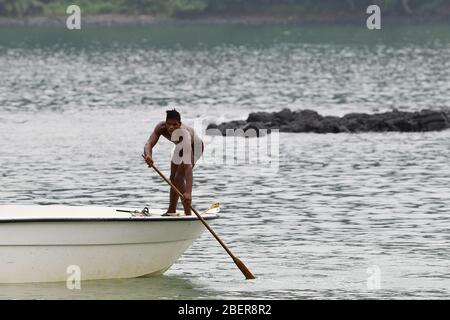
(237, 261)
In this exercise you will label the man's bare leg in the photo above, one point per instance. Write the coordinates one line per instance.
(173, 196)
(184, 170)
(184, 178)
(178, 178)
(182, 187)
(180, 183)
(187, 208)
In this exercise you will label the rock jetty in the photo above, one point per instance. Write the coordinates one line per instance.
(311, 121)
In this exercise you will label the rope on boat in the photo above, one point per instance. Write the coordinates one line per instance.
(135, 213)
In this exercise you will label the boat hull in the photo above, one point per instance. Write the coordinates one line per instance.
(56, 249)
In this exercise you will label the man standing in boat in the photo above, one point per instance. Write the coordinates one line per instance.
(188, 149)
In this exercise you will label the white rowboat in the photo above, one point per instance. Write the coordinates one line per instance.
(43, 243)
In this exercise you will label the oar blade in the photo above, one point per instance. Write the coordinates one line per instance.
(248, 275)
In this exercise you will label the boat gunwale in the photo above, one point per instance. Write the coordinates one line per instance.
(110, 219)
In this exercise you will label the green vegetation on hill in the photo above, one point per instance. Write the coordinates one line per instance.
(19, 8)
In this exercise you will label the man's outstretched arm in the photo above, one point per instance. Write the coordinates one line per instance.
(151, 142)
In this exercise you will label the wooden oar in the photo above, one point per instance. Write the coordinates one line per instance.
(248, 275)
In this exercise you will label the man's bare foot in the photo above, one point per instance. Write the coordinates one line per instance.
(171, 214)
(171, 211)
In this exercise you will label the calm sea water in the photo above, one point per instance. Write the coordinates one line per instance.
(77, 107)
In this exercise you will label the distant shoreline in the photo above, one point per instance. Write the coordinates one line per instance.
(139, 20)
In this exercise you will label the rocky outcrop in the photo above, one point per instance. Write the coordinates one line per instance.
(311, 121)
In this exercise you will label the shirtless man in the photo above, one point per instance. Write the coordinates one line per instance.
(188, 149)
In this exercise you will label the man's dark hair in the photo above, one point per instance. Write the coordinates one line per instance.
(173, 114)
